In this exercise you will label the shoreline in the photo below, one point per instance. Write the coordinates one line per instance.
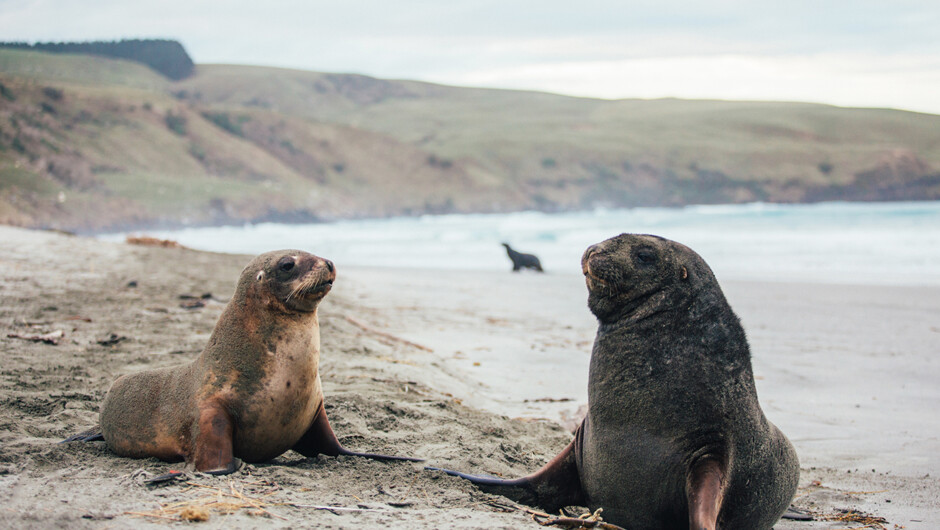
(847, 372)
(294, 218)
(840, 243)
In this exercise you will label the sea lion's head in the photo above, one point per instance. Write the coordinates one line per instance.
(634, 276)
(288, 280)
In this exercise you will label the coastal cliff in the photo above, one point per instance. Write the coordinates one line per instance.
(90, 143)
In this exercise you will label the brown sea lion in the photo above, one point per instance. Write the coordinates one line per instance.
(674, 436)
(252, 394)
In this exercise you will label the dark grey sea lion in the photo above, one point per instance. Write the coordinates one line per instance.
(522, 261)
(252, 394)
(674, 436)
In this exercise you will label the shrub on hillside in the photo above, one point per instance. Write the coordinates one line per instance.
(167, 57)
(176, 123)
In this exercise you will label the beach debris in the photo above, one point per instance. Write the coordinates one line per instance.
(397, 361)
(148, 241)
(217, 500)
(337, 509)
(195, 303)
(47, 338)
(194, 514)
(854, 516)
(111, 339)
(384, 335)
(203, 296)
(588, 520)
(31, 323)
(131, 284)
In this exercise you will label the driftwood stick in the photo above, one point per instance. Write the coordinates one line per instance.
(337, 508)
(47, 338)
(585, 521)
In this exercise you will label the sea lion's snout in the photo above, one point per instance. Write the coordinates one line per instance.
(595, 263)
(319, 280)
(586, 259)
(330, 270)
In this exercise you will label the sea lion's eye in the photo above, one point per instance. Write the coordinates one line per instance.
(285, 265)
(646, 256)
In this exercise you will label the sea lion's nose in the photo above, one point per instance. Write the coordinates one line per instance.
(587, 256)
(329, 265)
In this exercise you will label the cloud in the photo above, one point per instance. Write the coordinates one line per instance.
(900, 81)
(846, 52)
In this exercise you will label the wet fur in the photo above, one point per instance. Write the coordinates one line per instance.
(674, 436)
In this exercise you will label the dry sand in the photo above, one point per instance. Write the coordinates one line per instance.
(849, 373)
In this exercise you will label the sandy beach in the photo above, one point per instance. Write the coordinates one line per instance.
(478, 371)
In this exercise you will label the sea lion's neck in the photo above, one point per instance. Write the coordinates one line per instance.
(671, 346)
(249, 334)
(649, 310)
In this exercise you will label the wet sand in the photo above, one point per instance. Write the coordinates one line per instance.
(847, 372)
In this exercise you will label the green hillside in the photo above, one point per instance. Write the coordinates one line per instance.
(88, 143)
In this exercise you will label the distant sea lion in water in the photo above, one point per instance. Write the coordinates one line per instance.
(252, 394)
(674, 436)
(522, 261)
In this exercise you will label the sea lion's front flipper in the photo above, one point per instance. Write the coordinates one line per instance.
(556, 485)
(213, 442)
(704, 493)
(321, 440)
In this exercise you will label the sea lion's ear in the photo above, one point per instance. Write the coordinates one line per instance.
(685, 273)
(260, 275)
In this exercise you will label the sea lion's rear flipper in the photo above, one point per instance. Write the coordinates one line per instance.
(91, 435)
(213, 443)
(704, 494)
(321, 440)
(556, 485)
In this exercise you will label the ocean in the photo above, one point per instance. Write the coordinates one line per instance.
(888, 243)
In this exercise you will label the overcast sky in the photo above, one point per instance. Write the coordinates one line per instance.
(844, 52)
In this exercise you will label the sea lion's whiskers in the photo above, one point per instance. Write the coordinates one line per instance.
(292, 293)
(305, 286)
(301, 287)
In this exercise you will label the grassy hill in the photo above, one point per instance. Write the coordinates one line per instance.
(88, 143)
